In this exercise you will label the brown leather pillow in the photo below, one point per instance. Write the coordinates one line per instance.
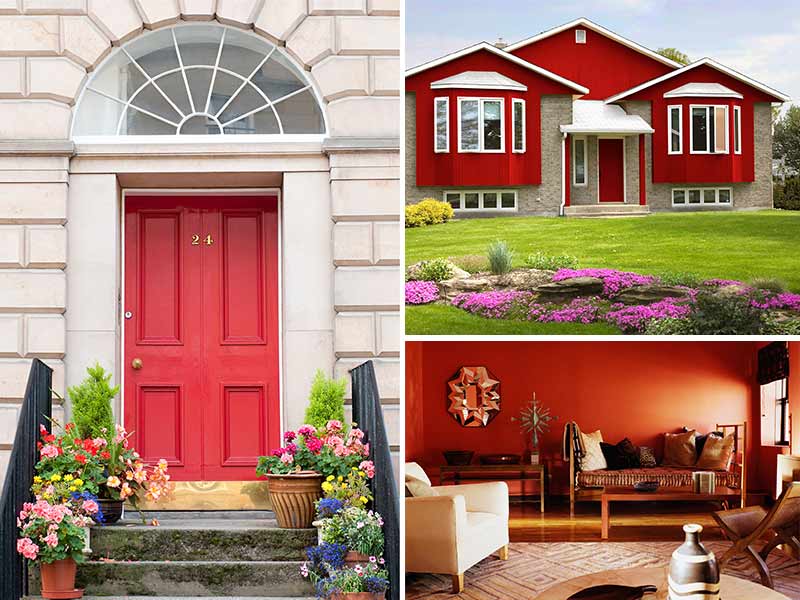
(717, 453)
(679, 449)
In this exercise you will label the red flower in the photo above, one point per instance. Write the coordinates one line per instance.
(49, 438)
(39, 445)
(77, 441)
(105, 455)
(80, 458)
(70, 426)
(60, 451)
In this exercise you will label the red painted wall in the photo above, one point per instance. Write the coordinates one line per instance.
(604, 66)
(480, 169)
(634, 389)
(702, 168)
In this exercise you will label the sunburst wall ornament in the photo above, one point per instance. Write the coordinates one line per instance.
(473, 396)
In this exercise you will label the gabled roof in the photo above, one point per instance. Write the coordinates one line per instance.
(502, 54)
(584, 22)
(714, 65)
(479, 80)
(714, 90)
(595, 116)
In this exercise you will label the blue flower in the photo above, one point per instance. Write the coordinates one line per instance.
(375, 585)
(81, 497)
(327, 507)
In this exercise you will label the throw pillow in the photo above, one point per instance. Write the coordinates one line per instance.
(594, 459)
(613, 458)
(418, 488)
(717, 453)
(629, 453)
(680, 449)
(647, 457)
(700, 440)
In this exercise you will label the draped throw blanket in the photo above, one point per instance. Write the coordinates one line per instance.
(572, 437)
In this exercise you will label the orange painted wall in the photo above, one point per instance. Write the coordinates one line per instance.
(794, 394)
(633, 389)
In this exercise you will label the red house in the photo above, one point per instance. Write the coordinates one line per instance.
(580, 120)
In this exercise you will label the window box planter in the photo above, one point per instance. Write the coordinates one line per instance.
(293, 496)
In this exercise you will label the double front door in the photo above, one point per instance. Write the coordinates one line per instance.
(201, 332)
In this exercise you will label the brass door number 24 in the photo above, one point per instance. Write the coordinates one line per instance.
(196, 240)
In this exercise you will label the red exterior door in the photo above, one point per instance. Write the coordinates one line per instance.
(201, 317)
(611, 170)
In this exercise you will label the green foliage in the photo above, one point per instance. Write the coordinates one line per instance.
(786, 195)
(357, 529)
(791, 327)
(436, 269)
(674, 54)
(786, 138)
(326, 400)
(669, 326)
(471, 263)
(500, 257)
(771, 284)
(91, 404)
(726, 314)
(428, 212)
(544, 262)
(686, 279)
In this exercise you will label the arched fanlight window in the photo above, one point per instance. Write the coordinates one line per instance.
(198, 80)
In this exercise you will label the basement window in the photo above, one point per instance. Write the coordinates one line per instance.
(482, 200)
(702, 196)
(580, 36)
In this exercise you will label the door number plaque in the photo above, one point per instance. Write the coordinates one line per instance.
(208, 241)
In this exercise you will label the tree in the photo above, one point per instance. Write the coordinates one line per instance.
(786, 138)
(326, 400)
(674, 54)
(91, 404)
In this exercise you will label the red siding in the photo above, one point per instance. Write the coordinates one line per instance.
(603, 65)
(702, 168)
(480, 169)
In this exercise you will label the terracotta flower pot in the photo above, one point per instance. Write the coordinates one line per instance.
(358, 596)
(112, 510)
(293, 497)
(355, 557)
(58, 579)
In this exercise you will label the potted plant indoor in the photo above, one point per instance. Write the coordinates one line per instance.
(535, 420)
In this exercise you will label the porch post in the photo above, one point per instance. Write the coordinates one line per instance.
(642, 173)
(567, 179)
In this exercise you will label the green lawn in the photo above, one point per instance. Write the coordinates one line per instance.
(731, 245)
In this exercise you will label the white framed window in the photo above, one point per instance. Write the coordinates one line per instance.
(482, 200)
(481, 125)
(737, 129)
(708, 129)
(675, 128)
(441, 125)
(518, 114)
(579, 161)
(580, 36)
(702, 196)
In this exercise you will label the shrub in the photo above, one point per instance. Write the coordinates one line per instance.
(500, 257)
(782, 327)
(668, 326)
(716, 314)
(787, 196)
(428, 212)
(544, 262)
(472, 263)
(326, 400)
(421, 292)
(770, 284)
(91, 404)
(436, 269)
(685, 279)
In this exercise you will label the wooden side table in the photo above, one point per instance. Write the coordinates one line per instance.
(523, 471)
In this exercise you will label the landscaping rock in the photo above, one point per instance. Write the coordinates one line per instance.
(521, 279)
(413, 271)
(453, 287)
(569, 289)
(648, 294)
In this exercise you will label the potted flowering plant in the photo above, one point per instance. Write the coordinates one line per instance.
(359, 530)
(53, 535)
(334, 580)
(295, 472)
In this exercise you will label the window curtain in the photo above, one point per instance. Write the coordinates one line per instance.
(773, 363)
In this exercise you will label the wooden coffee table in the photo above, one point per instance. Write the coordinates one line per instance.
(731, 588)
(723, 495)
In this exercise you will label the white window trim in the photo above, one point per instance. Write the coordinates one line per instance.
(481, 101)
(670, 130)
(708, 129)
(686, 191)
(737, 129)
(462, 193)
(585, 162)
(514, 102)
(436, 148)
(580, 33)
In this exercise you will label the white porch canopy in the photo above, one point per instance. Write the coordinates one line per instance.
(595, 116)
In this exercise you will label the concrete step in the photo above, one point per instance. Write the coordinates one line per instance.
(606, 210)
(250, 579)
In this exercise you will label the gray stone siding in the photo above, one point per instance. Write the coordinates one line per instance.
(543, 199)
(632, 169)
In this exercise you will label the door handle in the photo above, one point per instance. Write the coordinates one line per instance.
(137, 364)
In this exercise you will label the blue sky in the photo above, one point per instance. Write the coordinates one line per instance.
(760, 38)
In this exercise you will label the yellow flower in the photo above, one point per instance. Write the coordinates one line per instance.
(68, 478)
(73, 488)
(363, 499)
(37, 479)
(344, 486)
(79, 482)
(330, 478)
(355, 468)
(341, 478)
(56, 477)
(361, 473)
(327, 486)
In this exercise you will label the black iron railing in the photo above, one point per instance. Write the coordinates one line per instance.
(36, 411)
(367, 412)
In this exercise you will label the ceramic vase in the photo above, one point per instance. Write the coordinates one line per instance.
(293, 496)
(693, 570)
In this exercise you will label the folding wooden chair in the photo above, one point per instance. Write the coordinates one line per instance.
(746, 526)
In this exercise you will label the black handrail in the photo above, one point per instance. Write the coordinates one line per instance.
(367, 412)
(36, 411)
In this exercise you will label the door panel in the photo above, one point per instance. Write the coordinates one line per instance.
(202, 289)
(611, 170)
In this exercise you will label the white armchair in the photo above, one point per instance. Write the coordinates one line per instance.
(456, 528)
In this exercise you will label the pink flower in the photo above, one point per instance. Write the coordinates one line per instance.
(287, 458)
(291, 449)
(421, 292)
(314, 444)
(307, 430)
(27, 548)
(368, 467)
(49, 451)
(99, 442)
(90, 506)
(51, 540)
(334, 426)
(113, 482)
(289, 436)
(341, 451)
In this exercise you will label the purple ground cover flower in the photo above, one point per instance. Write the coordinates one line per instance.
(421, 292)
(492, 305)
(580, 310)
(613, 281)
(634, 318)
(784, 300)
(722, 282)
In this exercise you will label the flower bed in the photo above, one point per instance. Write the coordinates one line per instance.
(613, 281)
(421, 292)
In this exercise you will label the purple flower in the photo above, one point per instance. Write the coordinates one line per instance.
(613, 281)
(421, 292)
(722, 282)
(492, 305)
(635, 318)
(580, 310)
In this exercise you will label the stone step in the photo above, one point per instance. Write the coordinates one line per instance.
(201, 540)
(187, 598)
(251, 579)
(606, 210)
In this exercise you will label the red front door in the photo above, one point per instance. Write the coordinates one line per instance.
(611, 170)
(201, 325)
